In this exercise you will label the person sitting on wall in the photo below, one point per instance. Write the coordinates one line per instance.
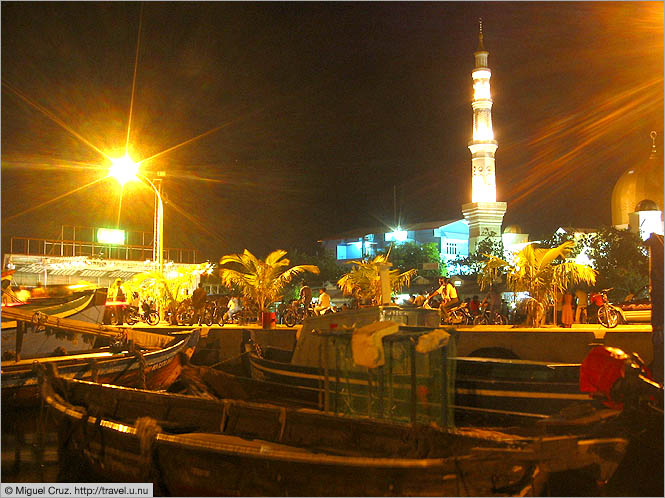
(474, 306)
(324, 302)
(234, 308)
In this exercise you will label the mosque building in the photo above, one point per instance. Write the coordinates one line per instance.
(483, 216)
(637, 198)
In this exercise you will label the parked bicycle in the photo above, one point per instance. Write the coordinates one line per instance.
(489, 317)
(185, 312)
(213, 312)
(142, 313)
(609, 315)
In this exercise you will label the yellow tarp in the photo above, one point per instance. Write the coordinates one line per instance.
(367, 343)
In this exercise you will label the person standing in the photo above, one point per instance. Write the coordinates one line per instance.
(305, 296)
(582, 304)
(567, 310)
(117, 295)
(198, 303)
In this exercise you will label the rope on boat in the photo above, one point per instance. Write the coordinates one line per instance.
(94, 370)
(39, 318)
(227, 360)
(282, 422)
(142, 369)
(147, 430)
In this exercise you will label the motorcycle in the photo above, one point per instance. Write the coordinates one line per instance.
(142, 313)
(457, 315)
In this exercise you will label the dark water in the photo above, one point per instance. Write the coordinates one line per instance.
(30, 449)
(30, 454)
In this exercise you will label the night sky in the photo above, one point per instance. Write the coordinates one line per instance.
(319, 113)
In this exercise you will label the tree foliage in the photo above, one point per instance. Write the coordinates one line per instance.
(363, 281)
(538, 271)
(261, 282)
(621, 259)
(329, 269)
(410, 255)
(475, 262)
(165, 288)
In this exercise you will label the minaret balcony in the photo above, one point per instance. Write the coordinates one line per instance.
(482, 145)
(482, 104)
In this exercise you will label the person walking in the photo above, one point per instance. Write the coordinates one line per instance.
(582, 304)
(567, 310)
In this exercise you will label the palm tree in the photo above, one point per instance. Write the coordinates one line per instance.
(166, 288)
(262, 282)
(534, 271)
(363, 281)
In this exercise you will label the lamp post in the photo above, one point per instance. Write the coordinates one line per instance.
(124, 170)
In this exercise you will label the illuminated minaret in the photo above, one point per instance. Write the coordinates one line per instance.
(483, 213)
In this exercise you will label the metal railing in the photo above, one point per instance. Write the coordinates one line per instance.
(33, 246)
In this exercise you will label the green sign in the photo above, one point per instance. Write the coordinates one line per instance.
(110, 236)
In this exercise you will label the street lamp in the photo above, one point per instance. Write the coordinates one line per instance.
(124, 169)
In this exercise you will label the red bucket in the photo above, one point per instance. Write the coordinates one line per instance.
(268, 320)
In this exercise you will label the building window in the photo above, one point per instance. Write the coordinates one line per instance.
(451, 248)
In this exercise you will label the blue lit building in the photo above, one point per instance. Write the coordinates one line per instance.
(450, 236)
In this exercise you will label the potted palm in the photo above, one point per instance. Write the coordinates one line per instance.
(261, 282)
(363, 282)
(538, 271)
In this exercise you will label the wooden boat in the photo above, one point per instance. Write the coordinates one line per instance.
(408, 386)
(155, 368)
(84, 304)
(189, 446)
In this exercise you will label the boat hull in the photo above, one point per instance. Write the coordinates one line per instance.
(153, 369)
(190, 446)
(487, 391)
(85, 306)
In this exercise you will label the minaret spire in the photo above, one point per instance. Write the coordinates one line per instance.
(483, 213)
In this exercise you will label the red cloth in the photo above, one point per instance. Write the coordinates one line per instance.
(597, 299)
(601, 368)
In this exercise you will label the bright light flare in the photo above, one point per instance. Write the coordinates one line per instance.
(124, 169)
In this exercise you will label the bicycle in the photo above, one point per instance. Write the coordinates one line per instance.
(609, 315)
(296, 314)
(489, 317)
